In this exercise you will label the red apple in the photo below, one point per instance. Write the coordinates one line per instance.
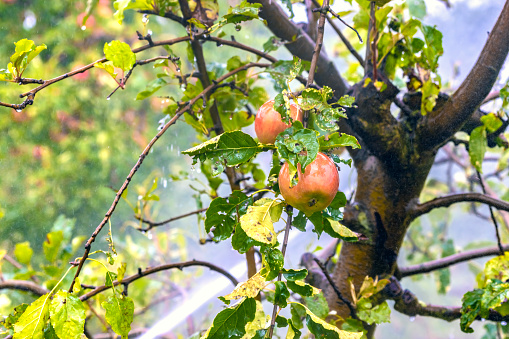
(316, 188)
(268, 122)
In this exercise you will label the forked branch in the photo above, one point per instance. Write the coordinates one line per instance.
(443, 123)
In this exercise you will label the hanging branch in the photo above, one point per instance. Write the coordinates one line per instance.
(152, 270)
(448, 200)
(23, 285)
(495, 223)
(145, 152)
(30, 95)
(448, 261)
(289, 211)
(152, 224)
(347, 302)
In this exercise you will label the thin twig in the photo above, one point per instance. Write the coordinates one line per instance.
(152, 270)
(495, 223)
(448, 200)
(289, 211)
(145, 152)
(336, 289)
(434, 265)
(316, 53)
(152, 224)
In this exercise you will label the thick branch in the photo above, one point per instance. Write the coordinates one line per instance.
(449, 261)
(148, 271)
(23, 285)
(448, 200)
(443, 123)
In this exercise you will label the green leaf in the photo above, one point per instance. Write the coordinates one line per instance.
(326, 116)
(231, 322)
(294, 275)
(333, 210)
(410, 27)
(222, 214)
(302, 288)
(51, 245)
(322, 329)
(477, 147)
(257, 223)
(31, 324)
(281, 294)
(256, 328)
(23, 252)
(120, 54)
(293, 331)
(119, 313)
(108, 67)
(497, 268)
(273, 261)
(434, 49)
(241, 242)
(151, 88)
(430, 92)
(317, 304)
(300, 221)
(471, 306)
(298, 145)
(337, 230)
(229, 148)
(245, 11)
(373, 315)
(417, 8)
(492, 122)
(110, 278)
(9, 321)
(336, 140)
(67, 314)
(121, 5)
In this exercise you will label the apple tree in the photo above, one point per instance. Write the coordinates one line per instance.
(388, 116)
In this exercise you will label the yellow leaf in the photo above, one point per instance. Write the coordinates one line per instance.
(249, 289)
(257, 224)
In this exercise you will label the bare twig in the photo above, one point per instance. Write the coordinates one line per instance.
(23, 285)
(289, 211)
(336, 289)
(448, 200)
(434, 265)
(149, 271)
(318, 45)
(145, 153)
(495, 223)
(152, 224)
